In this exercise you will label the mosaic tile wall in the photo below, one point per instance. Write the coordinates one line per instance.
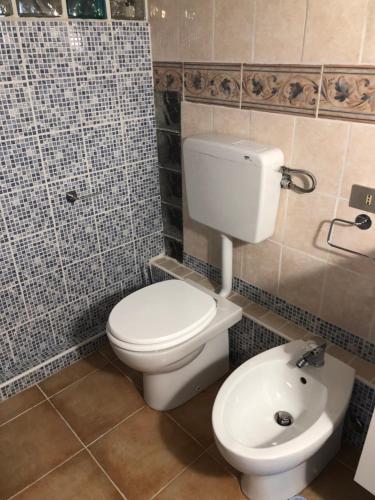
(76, 113)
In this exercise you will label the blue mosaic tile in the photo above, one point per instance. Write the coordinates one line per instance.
(146, 217)
(241, 341)
(363, 396)
(32, 343)
(119, 263)
(20, 164)
(368, 352)
(55, 103)
(6, 358)
(63, 153)
(136, 95)
(339, 336)
(44, 293)
(132, 46)
(78, 240)
(63, 211)
(159, 275)
(46, 49)
(27, 212)
(104, 146)
(37, 254)
(16, 116)
(114, 229)
(298, 316)
(8, 275)
(140, 139)
(22, 383)
(3, 232)
(70, 323)
(103, 301)
(92, 47)
(353, 434)
(12, 308)
(84, 277)
(11, 67)
(143, 179)
(147, 248)
(98, 100)
(113, 189)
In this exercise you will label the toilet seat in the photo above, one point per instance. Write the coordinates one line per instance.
(159, 316)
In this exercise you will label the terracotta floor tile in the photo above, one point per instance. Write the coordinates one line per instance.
(72, 373)
(19, 403)
(216, 455)
(145, 452)
(31, 445)
(135, 376)
(80, 478)
(336, 483)
(203, 480)
(195, 415)
(98, 402)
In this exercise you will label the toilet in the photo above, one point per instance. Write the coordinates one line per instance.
(176, 332)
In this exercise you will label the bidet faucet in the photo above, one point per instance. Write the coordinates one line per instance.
(314, 357)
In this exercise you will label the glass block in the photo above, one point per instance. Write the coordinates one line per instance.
(171, 187)
(39, 8)
(87, 9)
(169, 150)
(6, 8)
(172, 221)
(173, 248)
(127, 9)
(168, 110)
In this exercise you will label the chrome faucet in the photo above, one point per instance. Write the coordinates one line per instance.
(313, 357)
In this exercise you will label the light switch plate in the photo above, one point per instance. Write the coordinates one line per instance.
(363, 198)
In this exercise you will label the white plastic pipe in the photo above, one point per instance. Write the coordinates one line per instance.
(226, 265)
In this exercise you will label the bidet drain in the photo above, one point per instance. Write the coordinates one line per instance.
(283, 418)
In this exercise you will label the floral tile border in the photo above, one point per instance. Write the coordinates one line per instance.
(281, 88)
(348, 93)
(213, 83)
(168, 76)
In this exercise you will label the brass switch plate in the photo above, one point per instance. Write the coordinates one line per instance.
(363, 198)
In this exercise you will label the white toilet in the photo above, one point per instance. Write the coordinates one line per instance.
(175, 332)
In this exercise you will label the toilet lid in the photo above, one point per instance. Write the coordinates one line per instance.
(168, 312)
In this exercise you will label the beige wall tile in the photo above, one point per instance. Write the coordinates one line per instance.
(164, 18)
(360, 162)
(260, 265)
(301, 280)
(195, 119)
(320, 146)
(274, 129)
(233, 33)
(196, 18)
(279, 31)
(231, 121)
(354, 239)
(202, 242)
(334, 31)
(278, 234)
(368, 55)
(348, 300)
(307, 223)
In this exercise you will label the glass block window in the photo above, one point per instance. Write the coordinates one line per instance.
(168, 110)
(6, 8)
(171, 187)
(173, 248)
(169, 150)
(127, 9)
(172, 221)
(39, 8)
(87, 9)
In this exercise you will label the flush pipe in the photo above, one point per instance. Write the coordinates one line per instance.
(226, 265)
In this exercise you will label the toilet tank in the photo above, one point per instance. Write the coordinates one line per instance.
(233, 185)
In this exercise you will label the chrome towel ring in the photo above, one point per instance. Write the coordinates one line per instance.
(287, 181)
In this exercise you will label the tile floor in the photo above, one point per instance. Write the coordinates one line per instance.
(85, 433)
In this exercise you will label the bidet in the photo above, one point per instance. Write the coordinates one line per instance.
(279, 424)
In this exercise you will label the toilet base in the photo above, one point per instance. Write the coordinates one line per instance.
(286, 484)
(165, 391)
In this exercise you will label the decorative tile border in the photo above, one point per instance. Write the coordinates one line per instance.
(213, 83)
(348, 93)
(168, 76)
(285, 89)
(338, 92)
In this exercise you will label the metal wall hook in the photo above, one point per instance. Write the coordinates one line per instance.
(72, 196)
(362, 221)
(287, 181)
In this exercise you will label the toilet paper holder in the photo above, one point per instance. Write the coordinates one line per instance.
(362, 221)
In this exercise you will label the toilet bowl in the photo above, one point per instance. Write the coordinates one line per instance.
(175, 333)
(279, 424)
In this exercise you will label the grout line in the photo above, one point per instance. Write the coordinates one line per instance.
(23, 412)
(304, 30)
(177, 475)
(364, 33)
(185, 430)
(319, 91)
(253, 27)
